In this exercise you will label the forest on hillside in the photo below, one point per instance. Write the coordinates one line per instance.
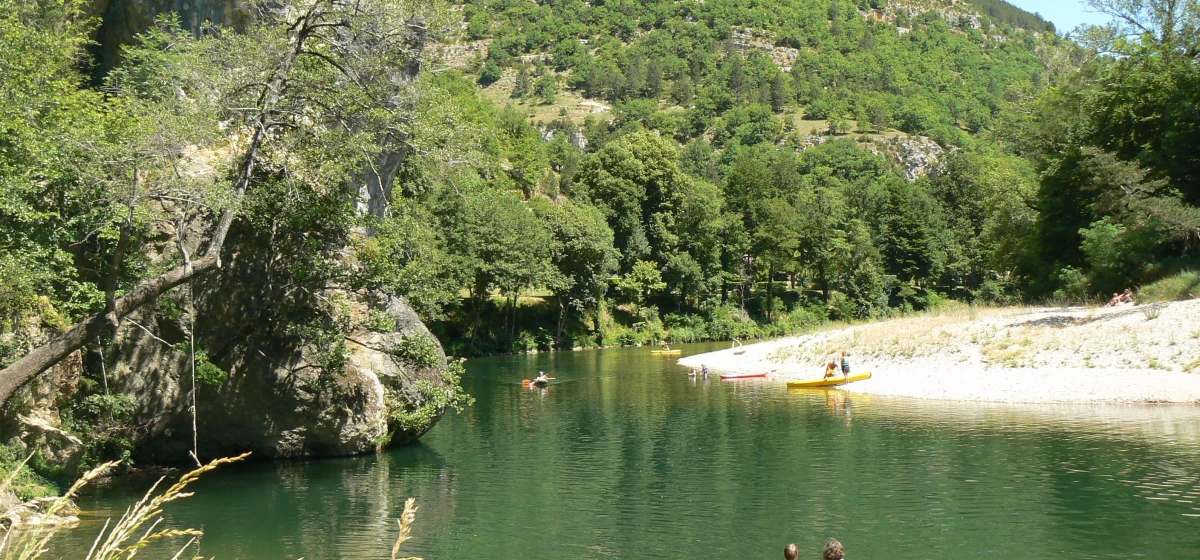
(747, 176)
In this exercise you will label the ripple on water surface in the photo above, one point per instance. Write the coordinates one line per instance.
(626, 457)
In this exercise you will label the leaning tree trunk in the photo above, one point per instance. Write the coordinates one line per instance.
(562, 315)
(45, 356)
(770, 288)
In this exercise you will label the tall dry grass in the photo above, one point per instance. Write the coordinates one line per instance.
(405, 522)
(138, 528)
(924, 334)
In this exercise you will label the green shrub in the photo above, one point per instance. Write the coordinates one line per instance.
(26, 483)
(379, 321)
(1185, 285)
(995, 291)
(419, 350)
(116, 408)
(433, 401)
(1074, 285)
(207, 373)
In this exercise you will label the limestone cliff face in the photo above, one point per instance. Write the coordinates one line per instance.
(121, 20)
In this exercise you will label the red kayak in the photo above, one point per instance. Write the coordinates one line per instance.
(744, 376)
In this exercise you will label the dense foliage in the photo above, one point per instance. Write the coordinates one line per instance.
(1118, 201)
(750, 170)
(727, 69)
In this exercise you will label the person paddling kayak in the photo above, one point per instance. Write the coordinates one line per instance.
(541, 379)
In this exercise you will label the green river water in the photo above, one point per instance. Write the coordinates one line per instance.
(624, 456)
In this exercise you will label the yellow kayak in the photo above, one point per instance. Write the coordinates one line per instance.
(662, 352)
(829, 382)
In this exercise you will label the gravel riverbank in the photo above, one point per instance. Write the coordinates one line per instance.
(1136, 354)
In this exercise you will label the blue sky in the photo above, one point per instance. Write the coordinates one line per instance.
(1066, 14)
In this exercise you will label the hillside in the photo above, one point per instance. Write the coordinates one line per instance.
(702, 70)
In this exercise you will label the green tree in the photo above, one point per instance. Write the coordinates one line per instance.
(780, 92)
(641, 282)
(507, 250)
(583, 255)
(406, 254)
(546, 88)
(911, 246)
(637, 183)
(521, 86)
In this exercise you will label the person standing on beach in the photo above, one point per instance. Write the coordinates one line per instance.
(791, 552)
(846, 364)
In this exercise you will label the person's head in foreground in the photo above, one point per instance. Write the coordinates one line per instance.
(791, 552)
(833, 550)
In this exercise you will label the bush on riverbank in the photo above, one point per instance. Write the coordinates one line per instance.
(20, 478)
(1185, 285)
(498, 326)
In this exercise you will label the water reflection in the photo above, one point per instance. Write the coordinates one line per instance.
(626, 456)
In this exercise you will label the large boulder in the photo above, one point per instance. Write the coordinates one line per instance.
(54, 444)
(30, 421)
(289, 391)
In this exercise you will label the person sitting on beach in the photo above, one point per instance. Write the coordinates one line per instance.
(1116, 299)
(791, 552)
(830, 368)
(833, 550)
(1127, 297)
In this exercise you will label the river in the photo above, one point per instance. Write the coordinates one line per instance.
(624, 456)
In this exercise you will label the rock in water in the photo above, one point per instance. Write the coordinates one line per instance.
(286, 395)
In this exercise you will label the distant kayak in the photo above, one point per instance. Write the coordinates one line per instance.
(663, 352)
(743, 376)
(829, 382)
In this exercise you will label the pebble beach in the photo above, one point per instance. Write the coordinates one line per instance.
(1135, 354)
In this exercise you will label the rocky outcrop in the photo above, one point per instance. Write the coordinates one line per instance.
(122, 20)
(917, 154)
(30, 421)
(41, 512)
(54, 444)
(295, 386)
